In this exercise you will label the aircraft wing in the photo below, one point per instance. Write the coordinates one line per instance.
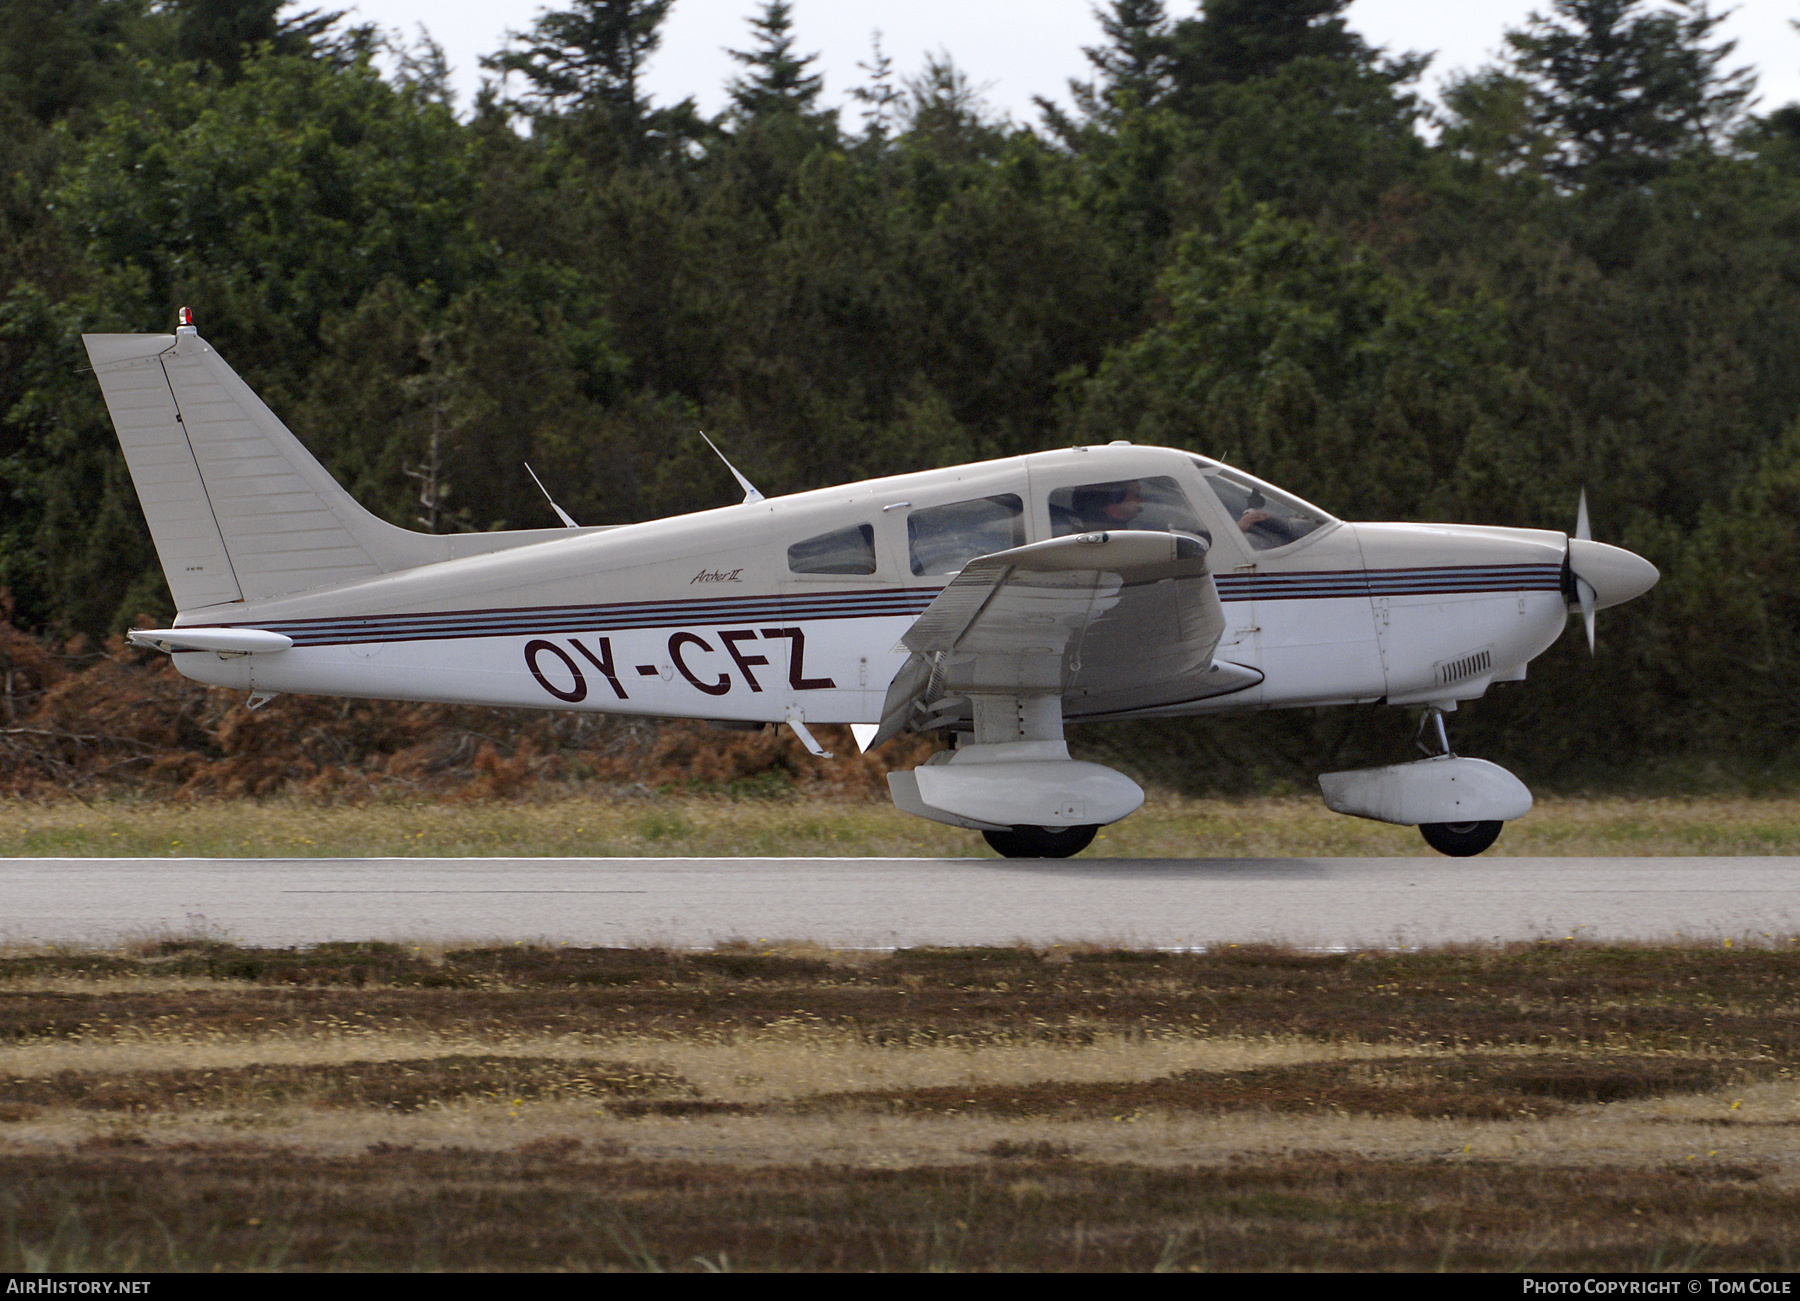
(1113, 623)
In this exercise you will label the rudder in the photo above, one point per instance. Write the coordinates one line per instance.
(163, 467)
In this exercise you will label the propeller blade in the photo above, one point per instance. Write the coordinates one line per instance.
(1584, 590)
(1597, 576)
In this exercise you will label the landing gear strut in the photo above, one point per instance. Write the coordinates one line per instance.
(1041, 842)
(1457, 839)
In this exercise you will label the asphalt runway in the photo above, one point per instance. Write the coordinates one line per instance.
(1317, 903)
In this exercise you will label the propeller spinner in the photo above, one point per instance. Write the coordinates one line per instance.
(1596, 576)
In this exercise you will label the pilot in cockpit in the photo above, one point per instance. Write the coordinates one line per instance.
(1102, 506)
(1154, 503)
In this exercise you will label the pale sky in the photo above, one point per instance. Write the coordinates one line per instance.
(1014, 48)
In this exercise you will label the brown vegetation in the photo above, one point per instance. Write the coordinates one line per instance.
(1557, 1106)
(89, 722)
(1738, 1003)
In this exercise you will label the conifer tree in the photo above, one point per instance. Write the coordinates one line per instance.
(945, 113)
(775, 80)
(1133, 65)
(589, 56)
(1623, 91)
(880, 97)
(57, 55)
(1241, 40)
(219, 32)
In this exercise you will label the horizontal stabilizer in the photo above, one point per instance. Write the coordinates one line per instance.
(227, 641)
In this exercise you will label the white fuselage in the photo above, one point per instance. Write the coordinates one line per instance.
(704, 615)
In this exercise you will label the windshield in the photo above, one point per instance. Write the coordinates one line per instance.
(1267, 517)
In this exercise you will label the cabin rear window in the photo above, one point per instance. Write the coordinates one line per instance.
(942, 539)
(841, 551)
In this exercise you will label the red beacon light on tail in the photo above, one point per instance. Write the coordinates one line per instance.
(185, 319)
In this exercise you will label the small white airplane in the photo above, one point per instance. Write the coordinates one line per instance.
(994, 601)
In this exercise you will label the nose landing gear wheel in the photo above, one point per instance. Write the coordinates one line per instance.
(1041, 842)
(1460, 839)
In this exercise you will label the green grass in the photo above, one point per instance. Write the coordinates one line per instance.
(797, 826)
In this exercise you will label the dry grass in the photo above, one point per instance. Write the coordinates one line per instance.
(1553, 1106)
(793, 826)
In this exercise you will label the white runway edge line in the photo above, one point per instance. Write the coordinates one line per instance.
(868, 903)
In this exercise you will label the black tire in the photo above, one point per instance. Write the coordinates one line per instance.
(1460, 839)
(1041, 842)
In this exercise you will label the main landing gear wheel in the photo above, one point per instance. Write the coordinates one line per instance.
(1460, 839)
(1041, 842)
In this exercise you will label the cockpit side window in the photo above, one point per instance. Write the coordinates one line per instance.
(1265, 516)
(1153, 504)
(942, 539)
(841, 551)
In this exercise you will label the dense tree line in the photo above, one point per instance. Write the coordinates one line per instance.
(1246, 235)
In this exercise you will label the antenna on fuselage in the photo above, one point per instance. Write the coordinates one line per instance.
(750, 492)
(561, 514)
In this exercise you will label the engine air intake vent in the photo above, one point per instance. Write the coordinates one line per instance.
(1472, 665)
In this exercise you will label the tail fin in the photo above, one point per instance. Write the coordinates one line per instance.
(238, 508)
